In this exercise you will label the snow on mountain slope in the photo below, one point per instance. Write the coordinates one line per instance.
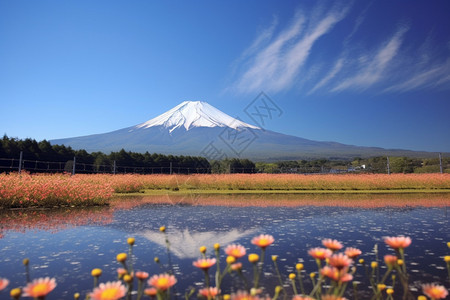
(190, 114)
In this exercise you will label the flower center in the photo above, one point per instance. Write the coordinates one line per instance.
(40, 289)
(109, 294)
(263, 242)
(162, 282)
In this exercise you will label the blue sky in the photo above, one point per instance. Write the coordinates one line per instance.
(369, 73)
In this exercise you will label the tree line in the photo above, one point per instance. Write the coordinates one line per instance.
(377, 164)
(140, 162)
(125, 161)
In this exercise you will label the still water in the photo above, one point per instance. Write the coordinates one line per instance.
(68, 243)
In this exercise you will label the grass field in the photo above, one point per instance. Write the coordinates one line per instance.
(49, 190)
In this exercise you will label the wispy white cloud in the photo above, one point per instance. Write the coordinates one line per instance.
(371, 70)
(282, 58)
(337, 67)
(428, 77)
(359, 20)
(275, 65)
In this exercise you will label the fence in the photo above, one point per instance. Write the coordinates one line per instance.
(75, 167)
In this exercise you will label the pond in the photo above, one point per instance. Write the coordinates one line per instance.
(68, 243)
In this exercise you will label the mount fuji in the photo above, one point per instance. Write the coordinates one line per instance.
(197, 128)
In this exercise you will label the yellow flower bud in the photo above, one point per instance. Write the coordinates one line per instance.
(162, 228)
(447, 258)
(156, 259)
(121, 257)
(400, 262)
(226, 297)
(361, 261)
(448, 244)
(216, 246)
(312, 275)
(15, 293)
(76, 296)
(274, 257)
(253, 258)
(254, 291)
(374, 264)
(231, 259)
(292, 276)
(389, 291)
(130, 241)
(127, 278)
(381, 286)
(202, 249)
(393, 277)
(278, 289)
(421, 297)
(96, 272)
(299, 266)
(26, 261)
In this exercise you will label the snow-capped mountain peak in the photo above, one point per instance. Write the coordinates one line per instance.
(190, 114)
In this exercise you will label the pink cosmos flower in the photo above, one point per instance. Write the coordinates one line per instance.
(237, 251)
(39, 287)
(336, 274)
(204, 263)
(352, 252)
(398, 242)
(435, 291)
(112, 290)
(320, 253)
(340, 261)
(263, 240)
(333, 245)
(210, 292)
(162, 281)
(3, 283)
(141, 275)
(390, 260)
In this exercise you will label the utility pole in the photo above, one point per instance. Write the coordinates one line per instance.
(440, 163)
(114, 168)
(388, 167)
(20, 162)
(74, 162)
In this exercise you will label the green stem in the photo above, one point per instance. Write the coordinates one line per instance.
(279, 276)
(294, 287)
(255, 275)
(243, 279)
(355, 291)
(300, 281)
(206, 278)
(130, 255)
(27, 272)
(258, 267)
(140, 289)
(221, 276)
(317, 287)
(448, 269)
(218, 276)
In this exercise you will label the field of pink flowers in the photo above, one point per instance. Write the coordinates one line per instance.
(49, 190)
